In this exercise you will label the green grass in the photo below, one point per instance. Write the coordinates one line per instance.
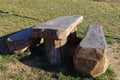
(110, 41)
(3, 68)
(16, 15)
(42, 72)
(108, 75)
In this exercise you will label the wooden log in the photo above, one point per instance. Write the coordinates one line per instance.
(90, 56)
(58, 28)
(21, 41)
(55, 33)
(55, 50)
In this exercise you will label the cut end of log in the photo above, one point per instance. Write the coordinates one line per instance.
(91, 62)
(100, 67)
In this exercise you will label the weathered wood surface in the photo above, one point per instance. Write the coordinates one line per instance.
(58, 28)
(20, 41)
(90, 56)
(55, 33)
(55, 50)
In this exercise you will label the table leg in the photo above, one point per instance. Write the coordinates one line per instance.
(54, 50)
(72, 38)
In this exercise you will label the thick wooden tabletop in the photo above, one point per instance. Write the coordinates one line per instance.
(58, 28)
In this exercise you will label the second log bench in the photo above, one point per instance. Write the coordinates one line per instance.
(91, 57)
(20, 42)
(55, 33)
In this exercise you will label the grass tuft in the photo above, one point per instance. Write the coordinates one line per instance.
(3, 68)
(108, 75)
(110, 41)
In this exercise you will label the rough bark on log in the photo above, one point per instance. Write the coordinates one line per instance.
(90, 56)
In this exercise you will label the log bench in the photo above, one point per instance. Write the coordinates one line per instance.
(55, 33)
(20, 41)
(90, 56)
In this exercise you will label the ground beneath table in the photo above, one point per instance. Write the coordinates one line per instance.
(15, 67)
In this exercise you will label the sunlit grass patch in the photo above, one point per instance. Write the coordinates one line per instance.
(108, 75)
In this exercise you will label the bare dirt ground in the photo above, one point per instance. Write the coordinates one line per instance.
(114, 52)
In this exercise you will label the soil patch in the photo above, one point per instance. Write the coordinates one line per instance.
(115, 59)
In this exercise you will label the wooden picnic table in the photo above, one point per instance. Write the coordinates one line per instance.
(55, 33)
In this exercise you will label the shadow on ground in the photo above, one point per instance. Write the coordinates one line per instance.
(37, 58)
(3, 45)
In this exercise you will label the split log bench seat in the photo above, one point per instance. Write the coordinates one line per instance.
(91, 57)
(55, 33)
(20, 41)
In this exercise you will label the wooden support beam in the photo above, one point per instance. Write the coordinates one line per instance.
(55, 50)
